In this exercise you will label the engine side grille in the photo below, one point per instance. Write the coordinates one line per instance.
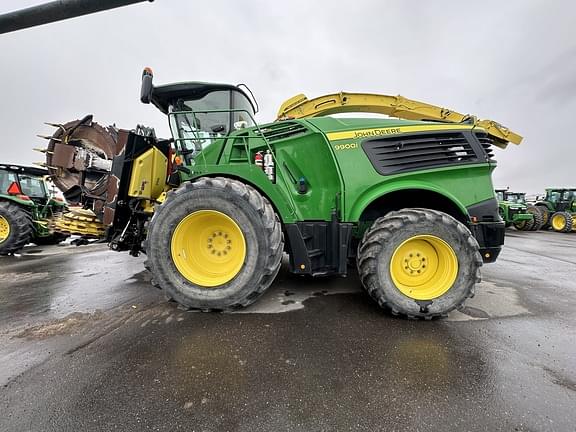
(409, 152)
(487, 144)
(283, 130)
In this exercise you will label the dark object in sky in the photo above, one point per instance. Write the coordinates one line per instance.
(56, 11)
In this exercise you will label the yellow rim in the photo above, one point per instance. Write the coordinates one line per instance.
(4, 229)
(208, 248)
(424, 267)
(558, 222)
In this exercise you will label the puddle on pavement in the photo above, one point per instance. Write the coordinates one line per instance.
(281, 300)
(491, 300)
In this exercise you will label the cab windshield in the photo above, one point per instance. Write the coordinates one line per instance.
(516, 198)
(197, 123)
(552, 196)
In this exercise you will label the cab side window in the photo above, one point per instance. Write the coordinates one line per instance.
(6, 179)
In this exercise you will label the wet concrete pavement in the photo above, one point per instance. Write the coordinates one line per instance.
(87, 344)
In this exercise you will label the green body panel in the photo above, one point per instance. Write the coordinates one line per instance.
(342, 180)
(254, 176)
(522, 217)
(464, 185)
(305, 156)
(334, 124)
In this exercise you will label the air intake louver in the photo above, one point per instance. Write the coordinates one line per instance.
(487, 144)
(283, 130)
(409, 152)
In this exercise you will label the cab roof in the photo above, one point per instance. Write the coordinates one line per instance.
(164, 95)
(561, 189)
(22, 169)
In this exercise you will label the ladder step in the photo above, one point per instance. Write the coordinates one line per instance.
(315, 252)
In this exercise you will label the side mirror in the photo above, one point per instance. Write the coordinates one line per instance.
(147, 86)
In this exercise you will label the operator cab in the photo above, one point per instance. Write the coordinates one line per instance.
(199, 113)
(563, 199)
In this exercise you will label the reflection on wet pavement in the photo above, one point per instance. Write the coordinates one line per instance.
(88, 344)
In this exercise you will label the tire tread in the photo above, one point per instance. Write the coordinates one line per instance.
(376, 238)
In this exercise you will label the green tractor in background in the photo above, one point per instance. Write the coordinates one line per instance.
(558, 209)
(27, 207)
(514, 211)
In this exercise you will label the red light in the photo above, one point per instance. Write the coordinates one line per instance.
(170, 160)
(14, 189)
(23, 197)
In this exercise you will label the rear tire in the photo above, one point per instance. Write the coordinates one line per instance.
(538, 218)
(524, 225)
(545, 216)
(15, 228)
(562, 222)
(388, 236)
(180, 270)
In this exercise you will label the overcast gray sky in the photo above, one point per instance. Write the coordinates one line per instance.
(509, 61)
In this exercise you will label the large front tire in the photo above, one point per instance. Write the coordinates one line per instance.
(419, 263)
(215, 245)
(15, 228)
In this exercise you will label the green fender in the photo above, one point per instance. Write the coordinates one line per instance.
(16, 200)
(55, 203)
(381, 190)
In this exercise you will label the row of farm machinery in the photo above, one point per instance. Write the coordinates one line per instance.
(555, 210)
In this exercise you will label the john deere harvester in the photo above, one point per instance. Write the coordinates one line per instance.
(514, 211)
(27, 208)
(410, 202)
(558, 209)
